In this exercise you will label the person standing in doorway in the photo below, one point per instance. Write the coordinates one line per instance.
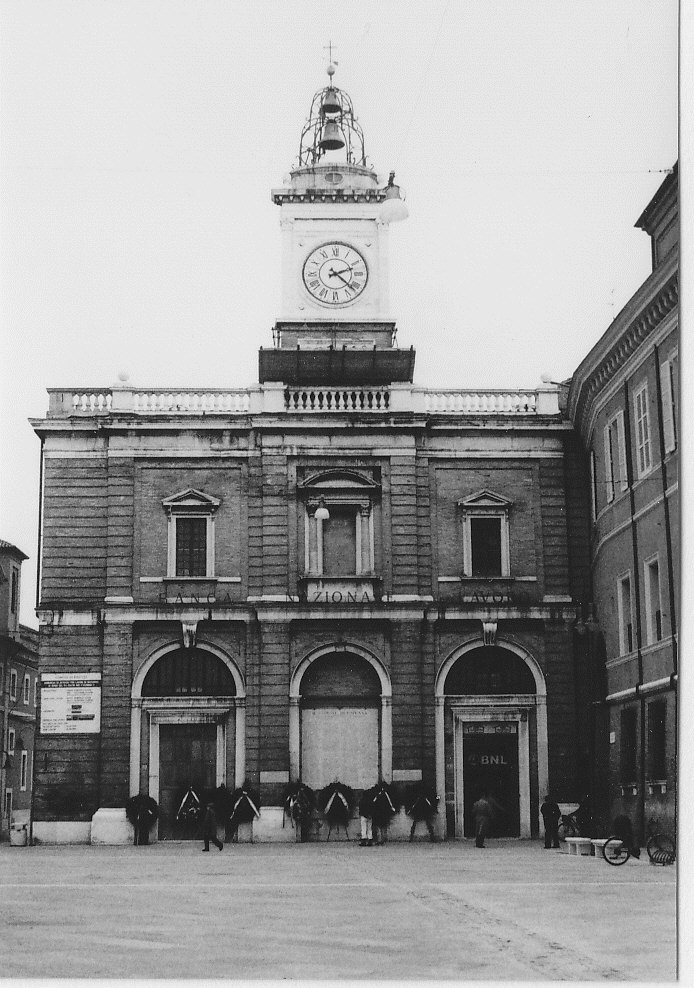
(482, 815)
(551, 815)
(209, 828)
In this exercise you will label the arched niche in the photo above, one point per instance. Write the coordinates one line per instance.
(340, 710)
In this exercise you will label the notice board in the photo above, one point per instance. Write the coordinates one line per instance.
(71, 703)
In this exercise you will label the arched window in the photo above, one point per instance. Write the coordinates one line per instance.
(489, 671)
(189, 672)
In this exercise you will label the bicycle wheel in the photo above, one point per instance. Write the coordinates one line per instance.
(615, 851)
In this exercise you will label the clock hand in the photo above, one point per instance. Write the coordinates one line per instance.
(337, 274)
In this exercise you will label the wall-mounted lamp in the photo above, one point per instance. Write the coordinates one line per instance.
(322, 513)
(547, 379)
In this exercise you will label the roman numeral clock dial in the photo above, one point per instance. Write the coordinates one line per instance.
(335, 274)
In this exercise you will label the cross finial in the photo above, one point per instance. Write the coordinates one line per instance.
(329, 49)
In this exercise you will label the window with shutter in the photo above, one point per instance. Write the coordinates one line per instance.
(668, 386)
(643, 431)
(624, 609)
(593, 487)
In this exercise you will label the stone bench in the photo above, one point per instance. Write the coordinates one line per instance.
(581, 846)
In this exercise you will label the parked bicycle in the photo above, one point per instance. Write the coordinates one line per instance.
(661, 849)
(616, 851)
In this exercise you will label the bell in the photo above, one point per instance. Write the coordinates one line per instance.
(332, 138)
(330, 103)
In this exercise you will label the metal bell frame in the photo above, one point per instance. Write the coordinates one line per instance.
(310, 150)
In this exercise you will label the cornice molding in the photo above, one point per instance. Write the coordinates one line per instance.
(627, 339)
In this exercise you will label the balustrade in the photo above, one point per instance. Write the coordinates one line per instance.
(277, 399)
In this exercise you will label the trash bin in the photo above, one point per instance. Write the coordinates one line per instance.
(18, 835)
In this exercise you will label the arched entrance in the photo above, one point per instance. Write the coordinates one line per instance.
(491, 736)
(187, 728)
(340, 719)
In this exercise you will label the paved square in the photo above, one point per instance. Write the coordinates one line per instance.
(319, 911)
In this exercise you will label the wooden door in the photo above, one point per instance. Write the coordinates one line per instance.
(187, 757)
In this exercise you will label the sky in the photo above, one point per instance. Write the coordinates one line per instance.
(139, 141)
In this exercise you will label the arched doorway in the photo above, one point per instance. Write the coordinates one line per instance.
(340, 718)
(491, 737)
(187, 729)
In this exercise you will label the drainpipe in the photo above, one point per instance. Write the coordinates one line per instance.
(637, 599)
(666, 513)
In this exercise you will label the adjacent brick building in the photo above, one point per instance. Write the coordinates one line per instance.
(333, 574)
(18, 692)
(624, 401)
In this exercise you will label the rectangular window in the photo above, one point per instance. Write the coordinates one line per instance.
(627, 744)
(8, 805)
(669, 385)
(485, 543)
(14, 592)
(26, 693)
(191, 547)
(615, 457)
(593, 488)
(10, 741)
(643, 431)
(24, 770)
(625, 616)
(654, 614)
(13, 685)
(657, 752)
(36, 692)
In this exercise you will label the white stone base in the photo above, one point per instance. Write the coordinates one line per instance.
(61, 832)
(268, 827)
(245, 834)
(111, 826)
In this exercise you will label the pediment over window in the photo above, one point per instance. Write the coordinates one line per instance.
(329, 481)
(191, 500)
(486, 500)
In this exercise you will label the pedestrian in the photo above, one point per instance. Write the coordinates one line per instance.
(551, 815)
(366, 808)
(584, 817)
(209, 828)
(623, 829)
(482, 815)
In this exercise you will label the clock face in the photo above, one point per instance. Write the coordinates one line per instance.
(335, 273)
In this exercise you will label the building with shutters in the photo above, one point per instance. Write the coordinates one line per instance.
(18, 694)
(624, 402)
(333, 574)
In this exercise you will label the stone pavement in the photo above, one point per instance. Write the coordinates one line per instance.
(512, 911)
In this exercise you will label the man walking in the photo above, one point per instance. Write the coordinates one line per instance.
(209, 828)
(482, 815)
(551, 815)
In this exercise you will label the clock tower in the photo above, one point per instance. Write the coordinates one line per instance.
(335, 220)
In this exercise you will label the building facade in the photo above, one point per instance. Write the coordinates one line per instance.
(624, 401)
(330, 575)
(18, 695)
